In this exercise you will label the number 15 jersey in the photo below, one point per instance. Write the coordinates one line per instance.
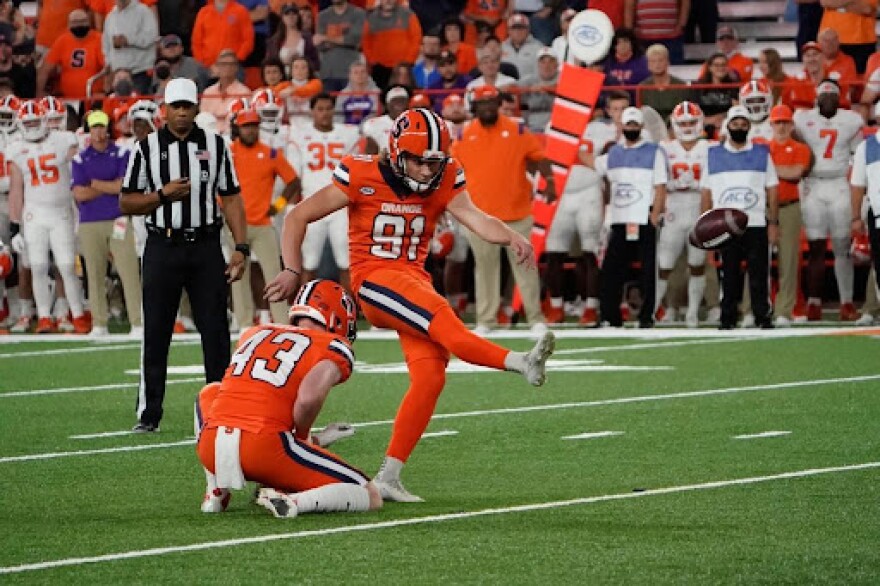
(388, 226)
(45, 169)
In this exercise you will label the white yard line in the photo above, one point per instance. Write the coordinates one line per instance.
(53, 455)
(762, 435)
(444, 433)
(592, 435)
(528, 409)
(113, 387)
(649, 345)
(103, 434)
(206, 545)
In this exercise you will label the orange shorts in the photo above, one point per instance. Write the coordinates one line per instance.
(279, 460)
(406, 303)
(275, 458)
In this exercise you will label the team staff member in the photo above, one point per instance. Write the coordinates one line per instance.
(257, 166)
(740, 174)
(792, 160)
(173, 177)
(637, 173)
(97, 178)
(503, 191)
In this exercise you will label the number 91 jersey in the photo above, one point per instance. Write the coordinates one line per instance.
(315, 154)
(388, 226)
(45, 169)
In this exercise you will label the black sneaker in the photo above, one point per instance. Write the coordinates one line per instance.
(727, 326)
(145, 428)
(766, 324)
(645, 325)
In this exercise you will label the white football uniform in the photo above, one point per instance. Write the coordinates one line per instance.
(5, 141)
(825, 196)
(581, 207)
(761, 132)
(48, 215)
(379, 129)
(315, 156)
(682, 203)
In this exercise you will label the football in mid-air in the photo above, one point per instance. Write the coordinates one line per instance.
(718, 227)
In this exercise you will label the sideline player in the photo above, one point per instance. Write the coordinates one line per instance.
(377, 129)
(757, 99)
(832, 135)
(394, 203)
(581, 212)
(686, 158)
(318, 149)
(39, 190)
(256, 423)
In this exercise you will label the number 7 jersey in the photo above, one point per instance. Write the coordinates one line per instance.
(388, 226)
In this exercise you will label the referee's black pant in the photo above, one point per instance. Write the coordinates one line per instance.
(170, 266)
(618, 256)
(753, 248)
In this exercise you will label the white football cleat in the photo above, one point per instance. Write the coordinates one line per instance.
(216, 501)
(691, 320)
(748, 321)
(393, 491)
(280, 504)
(866, 320)
(782, 322)
(21, 325)
(714, 316)
(332, 433)
(536, 359)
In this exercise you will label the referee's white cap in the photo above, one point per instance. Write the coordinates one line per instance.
(181, 89)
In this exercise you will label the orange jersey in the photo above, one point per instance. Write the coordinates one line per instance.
(260, 386)
(387, 225)
(786, 153)
(103, 7)
(76, 60)
(500, 190)
(257, 166)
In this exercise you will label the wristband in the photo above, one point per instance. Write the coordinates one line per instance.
(243, 248)
(14, 229)
(279, 204)
(294, 271)
(163, 199)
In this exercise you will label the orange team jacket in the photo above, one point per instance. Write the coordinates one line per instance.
(790, 152)
(214, 31)
(389, 43)
(103, 7)
(485, 10)
(256, 167)
(260, 386)
(500, 190)
(77, 60)
(388, 226)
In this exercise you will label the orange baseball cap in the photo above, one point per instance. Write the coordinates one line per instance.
(452, 99)
(420, 101)
(780, 113)
(809, 46)
(247, 117)
(485, 92)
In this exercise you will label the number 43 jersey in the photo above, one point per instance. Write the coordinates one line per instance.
(315, 153)
(388, 226)
(45, 169)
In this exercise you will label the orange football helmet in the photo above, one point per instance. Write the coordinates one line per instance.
(757, 99)
(328, 304)
(32, 121)
(9, 106)
(235, 107)
(687, 121)
(422, 135)
(860, 251)
(56, 113)
(270, 108)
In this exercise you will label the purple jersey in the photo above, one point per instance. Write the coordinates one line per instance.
(107, 165)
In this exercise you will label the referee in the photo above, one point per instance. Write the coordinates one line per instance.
(173, 178)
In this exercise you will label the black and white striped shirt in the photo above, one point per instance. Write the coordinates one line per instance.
(203, 156)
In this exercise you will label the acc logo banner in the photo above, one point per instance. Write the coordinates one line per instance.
(742, 198)
(587, 35)
(626, 195)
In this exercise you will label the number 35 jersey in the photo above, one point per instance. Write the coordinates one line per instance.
(315, 153)
(45, 169)
(388, 226)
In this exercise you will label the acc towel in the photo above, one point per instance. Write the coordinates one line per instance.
(227, 463)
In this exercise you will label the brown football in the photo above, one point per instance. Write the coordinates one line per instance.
(718, 227)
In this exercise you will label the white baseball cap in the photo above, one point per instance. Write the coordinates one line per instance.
(632, 114)
(396, 92)
(737, 112)
(181, 89)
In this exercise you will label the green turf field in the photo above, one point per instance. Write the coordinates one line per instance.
(652, 485)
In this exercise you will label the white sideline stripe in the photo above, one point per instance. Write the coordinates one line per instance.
(113, 387)
(93, 347)
(443, 433)
(104, 434)
(762, 434)
(550, 407)
(592, 435)
(648, 345)
(159, 551)
(52, 455)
